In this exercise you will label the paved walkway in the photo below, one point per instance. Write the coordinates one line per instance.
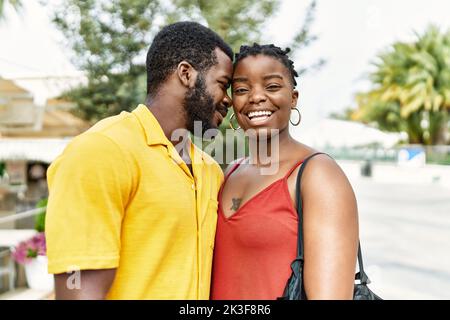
(405, 238)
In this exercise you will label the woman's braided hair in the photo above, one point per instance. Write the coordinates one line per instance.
(268, 50)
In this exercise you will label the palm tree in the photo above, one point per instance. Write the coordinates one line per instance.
(411, 88)
(16, 4)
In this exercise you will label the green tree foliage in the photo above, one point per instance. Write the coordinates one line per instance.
(236, 21)
(2, 168)
(411, 88)
(110, 39)
(40, 218)
(16, 4)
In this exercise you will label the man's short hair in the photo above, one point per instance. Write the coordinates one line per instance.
(189, 41)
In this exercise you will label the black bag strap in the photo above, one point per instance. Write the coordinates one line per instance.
(361, 275)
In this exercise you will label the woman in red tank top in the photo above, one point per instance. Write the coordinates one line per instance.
(256, 238)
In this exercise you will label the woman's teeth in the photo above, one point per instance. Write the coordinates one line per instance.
(259, 114)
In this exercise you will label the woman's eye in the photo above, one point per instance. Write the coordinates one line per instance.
(240, 90)
(273, 87)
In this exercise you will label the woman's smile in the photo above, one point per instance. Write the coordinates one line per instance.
(259, 117)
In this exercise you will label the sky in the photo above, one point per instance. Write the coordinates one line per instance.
(351, 33)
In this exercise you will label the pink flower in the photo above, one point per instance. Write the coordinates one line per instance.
(27, 250)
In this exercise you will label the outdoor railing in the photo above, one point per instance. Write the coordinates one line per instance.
(439, 154)
(22, 215)
(10, 269)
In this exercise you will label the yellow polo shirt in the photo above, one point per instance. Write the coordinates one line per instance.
(122, 197)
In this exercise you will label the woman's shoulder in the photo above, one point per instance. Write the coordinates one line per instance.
(323, 174)
(317, 164)
(322, 160)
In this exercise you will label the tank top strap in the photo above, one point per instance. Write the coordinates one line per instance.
(299, 163)
(236, 165)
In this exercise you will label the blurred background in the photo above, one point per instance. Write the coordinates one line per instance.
(374, 93)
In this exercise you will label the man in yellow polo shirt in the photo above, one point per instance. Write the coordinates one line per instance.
(133, 204)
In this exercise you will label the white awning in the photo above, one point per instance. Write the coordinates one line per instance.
(44, 150)
(339, 133)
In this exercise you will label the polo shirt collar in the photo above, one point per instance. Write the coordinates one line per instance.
(154, 133)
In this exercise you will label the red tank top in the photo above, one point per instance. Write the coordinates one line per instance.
(255, 247)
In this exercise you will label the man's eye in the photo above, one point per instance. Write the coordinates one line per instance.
(224, 85)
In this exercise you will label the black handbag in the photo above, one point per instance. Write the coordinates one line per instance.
(294, 289)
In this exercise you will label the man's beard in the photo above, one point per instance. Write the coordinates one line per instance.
(199, 106)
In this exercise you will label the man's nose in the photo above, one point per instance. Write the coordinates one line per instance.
(227, 101)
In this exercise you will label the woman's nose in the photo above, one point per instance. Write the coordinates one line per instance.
(257, 96)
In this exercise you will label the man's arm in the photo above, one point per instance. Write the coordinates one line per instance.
(92, 284)
(89, 189)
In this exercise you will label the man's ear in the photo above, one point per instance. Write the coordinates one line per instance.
(186, 74)
(294, 98)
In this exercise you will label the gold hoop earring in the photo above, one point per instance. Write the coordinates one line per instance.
(299, 117)
(231, 124)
